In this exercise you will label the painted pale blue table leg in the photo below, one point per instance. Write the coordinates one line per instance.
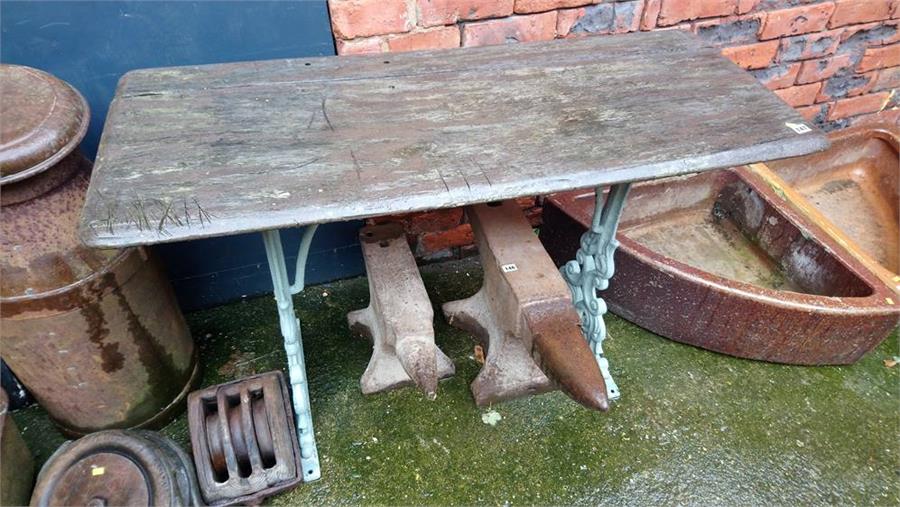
(293, 344)
(591, 270)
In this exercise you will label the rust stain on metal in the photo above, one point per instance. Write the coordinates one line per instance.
(399, 317)
(138, 468)
(96, 335)
(17, 470)
(523, 315)
(244, 440)
(35, 102)
(559, 349)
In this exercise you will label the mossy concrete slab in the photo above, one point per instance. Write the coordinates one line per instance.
(692, 426)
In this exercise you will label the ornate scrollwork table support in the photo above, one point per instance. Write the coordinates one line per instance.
(591, 270)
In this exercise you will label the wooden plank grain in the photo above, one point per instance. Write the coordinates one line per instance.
(192, 152)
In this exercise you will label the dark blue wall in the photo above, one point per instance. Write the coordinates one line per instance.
(91, 44)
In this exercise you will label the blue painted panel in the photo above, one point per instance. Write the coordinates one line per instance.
(91, 44)
(240, 269)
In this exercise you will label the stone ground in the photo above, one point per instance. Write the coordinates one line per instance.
(693, 427)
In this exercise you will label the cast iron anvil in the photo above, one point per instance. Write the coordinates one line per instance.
(399, 317)
(524, 315)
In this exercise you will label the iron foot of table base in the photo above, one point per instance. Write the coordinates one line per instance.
(523, 313)
(399, 317)
(591, 270)
(293, 344)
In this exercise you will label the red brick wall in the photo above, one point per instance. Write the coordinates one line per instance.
(837, 62)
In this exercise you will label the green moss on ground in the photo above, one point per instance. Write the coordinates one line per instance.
(692, 426)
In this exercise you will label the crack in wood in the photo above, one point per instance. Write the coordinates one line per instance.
(446, 187)
(356, 165)
(141, 216)
(109, 219)
(147, 94)
(187, 215)
(466, 180)
(308, 162)
(481, 168)
(142, 212)
(351, 79)
(160, 229)
(168, 213)
(202, 213)
(325, 114)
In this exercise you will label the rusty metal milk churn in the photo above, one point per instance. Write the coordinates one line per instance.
(95, 335)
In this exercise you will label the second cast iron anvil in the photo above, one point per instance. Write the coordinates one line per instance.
(524, 316)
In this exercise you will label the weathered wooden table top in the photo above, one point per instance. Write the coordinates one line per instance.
(191, 152)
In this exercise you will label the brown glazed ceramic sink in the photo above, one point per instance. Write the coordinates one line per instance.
(854, 188)
(722, 261)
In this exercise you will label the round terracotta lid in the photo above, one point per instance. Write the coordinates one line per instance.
(44, 119)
